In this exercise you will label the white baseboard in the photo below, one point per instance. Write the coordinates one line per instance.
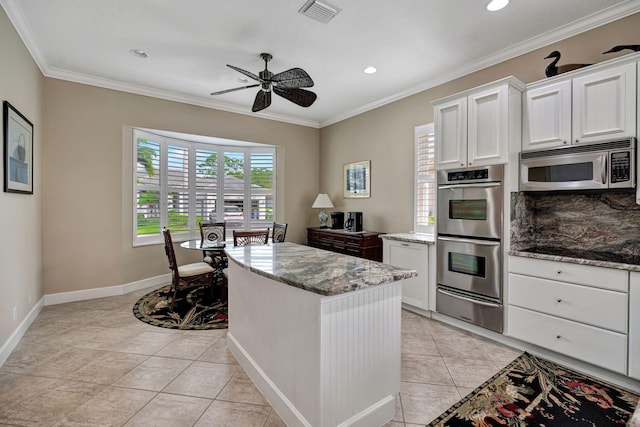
(63, 297)
(17, 335)
(107, 291)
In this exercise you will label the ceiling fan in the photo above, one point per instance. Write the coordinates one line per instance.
(287, 84)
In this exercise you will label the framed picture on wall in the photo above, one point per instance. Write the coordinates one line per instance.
(18, 151)
(357, 179)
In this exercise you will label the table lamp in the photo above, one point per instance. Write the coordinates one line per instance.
(322, 201)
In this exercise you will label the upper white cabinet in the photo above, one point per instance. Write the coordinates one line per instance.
(547, 118)
(604, 105)
(593, 104)
(451, 133)
(474, 128)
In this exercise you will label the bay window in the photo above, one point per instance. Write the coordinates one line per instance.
(180, 183)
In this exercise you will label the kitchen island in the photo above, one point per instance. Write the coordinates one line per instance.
(317, 332)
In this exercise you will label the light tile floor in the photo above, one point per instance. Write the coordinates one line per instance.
(92, 363)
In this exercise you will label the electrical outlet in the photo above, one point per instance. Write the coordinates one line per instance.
(15, 314)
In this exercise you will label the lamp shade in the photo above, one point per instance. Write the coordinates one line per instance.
(322, 201)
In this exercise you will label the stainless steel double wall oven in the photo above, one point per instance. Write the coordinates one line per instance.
(469, 245)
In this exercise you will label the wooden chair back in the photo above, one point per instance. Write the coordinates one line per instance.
(213, 232)
(243, 238)
(279, 232)
(168, 248)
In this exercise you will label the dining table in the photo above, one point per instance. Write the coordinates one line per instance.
(213, 254)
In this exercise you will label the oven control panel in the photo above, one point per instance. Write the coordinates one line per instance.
(620, 166)
(468, 175)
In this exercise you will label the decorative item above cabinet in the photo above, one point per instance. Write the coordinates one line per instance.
(476, 127)
(589, 105)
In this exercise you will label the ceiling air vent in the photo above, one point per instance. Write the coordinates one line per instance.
(319, 11)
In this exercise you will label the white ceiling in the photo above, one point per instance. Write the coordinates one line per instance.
(415, 44)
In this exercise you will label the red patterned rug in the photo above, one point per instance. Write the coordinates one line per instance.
(532, 391)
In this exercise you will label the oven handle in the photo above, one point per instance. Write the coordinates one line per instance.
(473, 241)
(472, 185)
(475, 301)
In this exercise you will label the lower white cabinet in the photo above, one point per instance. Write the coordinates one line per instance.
(576, 310)
(416, 256)
(634, 325)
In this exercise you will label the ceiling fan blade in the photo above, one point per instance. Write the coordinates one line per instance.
(293, 78)
(234, 89)
(263, 100)
(303, 98)
(246, 73)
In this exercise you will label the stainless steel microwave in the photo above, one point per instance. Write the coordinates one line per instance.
(601, 166)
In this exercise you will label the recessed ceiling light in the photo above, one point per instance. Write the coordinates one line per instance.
(243, 80)
(494, 5)
(370, 70)
(139, 53)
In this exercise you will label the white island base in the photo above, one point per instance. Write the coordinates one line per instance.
(319, 360)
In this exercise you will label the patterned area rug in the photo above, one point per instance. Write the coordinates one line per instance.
(535, 392)
(194, 309)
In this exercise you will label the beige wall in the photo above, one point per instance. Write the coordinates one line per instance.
(20, 215)
(87, 191)
(385, 135)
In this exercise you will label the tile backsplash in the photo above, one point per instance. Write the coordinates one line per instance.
(603, 222)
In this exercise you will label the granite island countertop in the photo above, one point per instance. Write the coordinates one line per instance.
(315, 270)
(597, 259)
(410, 237)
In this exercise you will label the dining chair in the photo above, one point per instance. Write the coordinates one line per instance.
(279, 231)
(243, 238)
(213, 232)
(187, 276)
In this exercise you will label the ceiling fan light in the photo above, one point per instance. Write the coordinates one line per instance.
(494, 5)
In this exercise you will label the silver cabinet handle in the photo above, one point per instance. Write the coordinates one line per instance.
(470, 185)
(475, 301)
(473, 241)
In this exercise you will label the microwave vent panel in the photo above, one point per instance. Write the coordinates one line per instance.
(321, 12)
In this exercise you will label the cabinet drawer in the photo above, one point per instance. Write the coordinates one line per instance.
(605, 278)
(593, 345)
(594, 306)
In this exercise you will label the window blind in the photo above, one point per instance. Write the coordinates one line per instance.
(425, 187)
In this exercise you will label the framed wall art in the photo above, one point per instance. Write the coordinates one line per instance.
(18, 151)
(357, 179)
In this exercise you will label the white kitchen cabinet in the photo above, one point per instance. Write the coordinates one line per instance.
(604, 104)
(474, 128)
(547, 116)
(451, 133)
(634, 325)
(593, 104)
(415, 256)
(581, 311)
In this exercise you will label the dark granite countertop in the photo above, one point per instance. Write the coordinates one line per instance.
(585, 257)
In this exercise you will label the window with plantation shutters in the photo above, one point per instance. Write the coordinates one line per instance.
(179, 183)
(425, 174)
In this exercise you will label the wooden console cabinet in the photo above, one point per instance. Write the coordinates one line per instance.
(365, 244)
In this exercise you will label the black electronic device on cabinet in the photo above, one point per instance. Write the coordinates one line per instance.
(354, 221)
(337, 220)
